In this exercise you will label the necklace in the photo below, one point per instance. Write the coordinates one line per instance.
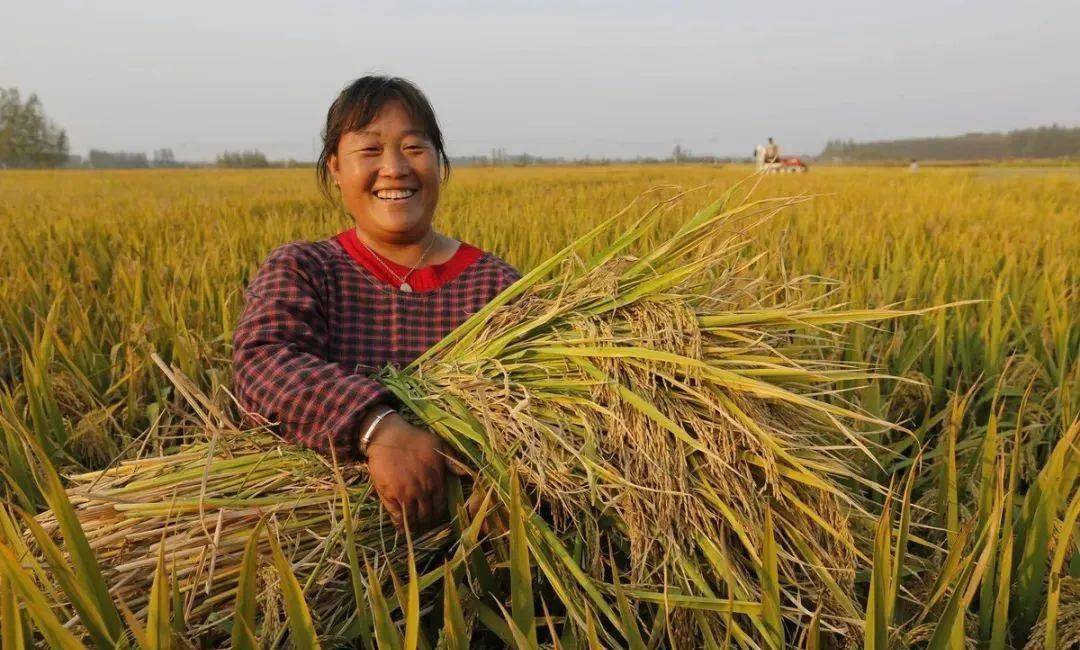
(402, 284)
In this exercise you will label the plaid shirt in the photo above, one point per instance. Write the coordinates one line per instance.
(319, 320)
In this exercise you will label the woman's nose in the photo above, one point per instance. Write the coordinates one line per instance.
(394, 163)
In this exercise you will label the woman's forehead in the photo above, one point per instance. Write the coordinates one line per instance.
(392, 118)
(377, 132)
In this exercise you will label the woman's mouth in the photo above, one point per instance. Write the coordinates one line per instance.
(395, 194)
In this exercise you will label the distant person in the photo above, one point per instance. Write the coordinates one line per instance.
(759, 157)
(320, 316)
(772, 152)
(914, 166)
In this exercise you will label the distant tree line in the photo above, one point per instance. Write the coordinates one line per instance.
(164, 158)
(1043, 142)
(251, 159)
(99, 159)
(28, 138)
(679, 156)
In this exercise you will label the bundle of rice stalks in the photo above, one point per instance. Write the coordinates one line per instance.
(202, 505)
(668, 416)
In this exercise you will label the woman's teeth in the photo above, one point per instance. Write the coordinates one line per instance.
(394, 194)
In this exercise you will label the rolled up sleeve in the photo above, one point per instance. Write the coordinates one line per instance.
(281, 372)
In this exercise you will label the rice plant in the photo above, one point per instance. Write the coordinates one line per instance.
(974, 540)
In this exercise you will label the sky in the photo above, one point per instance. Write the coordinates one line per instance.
(604, 79)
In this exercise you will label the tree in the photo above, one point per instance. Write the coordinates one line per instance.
(243, 159)
(99, 159)
(27, 137)
(1043, 142)
(164, 158)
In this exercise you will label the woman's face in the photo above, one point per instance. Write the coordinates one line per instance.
(388, 173)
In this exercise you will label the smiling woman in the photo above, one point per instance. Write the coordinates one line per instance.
(320, 317)
(383, 149)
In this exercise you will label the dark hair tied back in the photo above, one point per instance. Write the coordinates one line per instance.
(358, 104)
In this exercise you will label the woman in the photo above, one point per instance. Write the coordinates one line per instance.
(320, 317)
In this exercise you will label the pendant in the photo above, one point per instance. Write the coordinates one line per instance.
(405, 287)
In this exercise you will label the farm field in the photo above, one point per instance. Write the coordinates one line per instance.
(99, 271)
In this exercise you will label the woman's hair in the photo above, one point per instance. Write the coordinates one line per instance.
(358, 104)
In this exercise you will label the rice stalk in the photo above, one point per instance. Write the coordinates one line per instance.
(203, 508)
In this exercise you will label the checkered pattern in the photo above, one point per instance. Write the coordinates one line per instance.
(316, 325)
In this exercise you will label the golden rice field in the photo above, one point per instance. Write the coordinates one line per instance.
(976, 544)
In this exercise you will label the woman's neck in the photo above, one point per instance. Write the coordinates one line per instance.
(433, 248)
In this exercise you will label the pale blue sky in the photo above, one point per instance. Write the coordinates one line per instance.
(552, 78)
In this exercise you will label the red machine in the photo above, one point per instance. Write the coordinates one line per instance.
(791, 165)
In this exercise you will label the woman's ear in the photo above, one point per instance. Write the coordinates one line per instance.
(332, 167)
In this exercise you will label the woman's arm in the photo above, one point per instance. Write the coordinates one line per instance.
(280, 371)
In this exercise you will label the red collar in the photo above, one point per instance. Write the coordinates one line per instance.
(423, 279)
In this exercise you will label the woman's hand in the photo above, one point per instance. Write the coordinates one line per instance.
(408, 468)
